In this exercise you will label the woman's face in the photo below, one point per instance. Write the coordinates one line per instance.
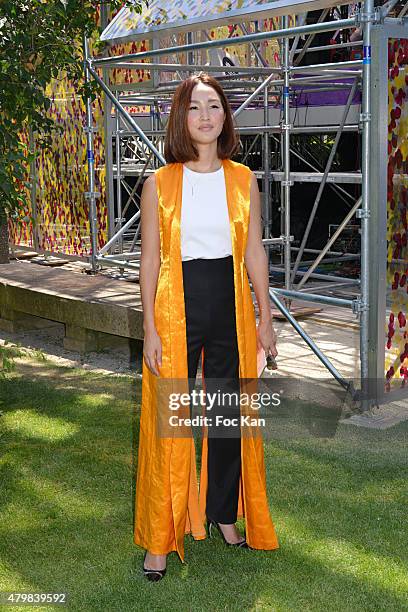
(206, 115)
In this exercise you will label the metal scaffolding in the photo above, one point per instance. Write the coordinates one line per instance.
(134, 148)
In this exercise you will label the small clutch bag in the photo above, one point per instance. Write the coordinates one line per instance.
(265, 362)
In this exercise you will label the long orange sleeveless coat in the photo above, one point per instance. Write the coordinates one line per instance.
(169, 502)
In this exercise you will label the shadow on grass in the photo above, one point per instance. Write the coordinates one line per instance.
(68, 498)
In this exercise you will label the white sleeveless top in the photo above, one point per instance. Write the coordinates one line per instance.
(204, 224)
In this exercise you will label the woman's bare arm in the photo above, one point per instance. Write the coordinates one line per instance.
(149, 270)
(256, 263)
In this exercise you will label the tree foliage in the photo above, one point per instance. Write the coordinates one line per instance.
(39, 40)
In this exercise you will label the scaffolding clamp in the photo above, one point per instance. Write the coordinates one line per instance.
(362, 213)
(358, 306)
(90, 130)
(92, 194)
(286, 239)
(286, 126)
(365, 117)
(362, 17)
(287, 183)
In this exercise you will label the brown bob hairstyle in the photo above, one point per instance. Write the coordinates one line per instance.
(178, 146)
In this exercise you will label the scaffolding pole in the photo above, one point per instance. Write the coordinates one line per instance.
(266, 177)
(118, 219)
(319, 354)
(92, 194)
(367, 17)
(286, 183)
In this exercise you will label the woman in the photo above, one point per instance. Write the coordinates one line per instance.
(201, 232)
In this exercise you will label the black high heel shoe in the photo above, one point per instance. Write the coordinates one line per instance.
(152, 574)
(212, 524)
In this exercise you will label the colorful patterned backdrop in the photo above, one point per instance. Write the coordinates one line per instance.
(62, 175)
(396, 361)
(63, 178)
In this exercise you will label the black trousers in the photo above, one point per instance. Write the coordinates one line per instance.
(209, 296)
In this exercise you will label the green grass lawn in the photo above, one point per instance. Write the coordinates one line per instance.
(67, 464)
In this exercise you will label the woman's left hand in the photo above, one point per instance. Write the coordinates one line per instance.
(266, 338)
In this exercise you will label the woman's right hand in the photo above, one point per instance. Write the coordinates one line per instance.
(152, 351)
